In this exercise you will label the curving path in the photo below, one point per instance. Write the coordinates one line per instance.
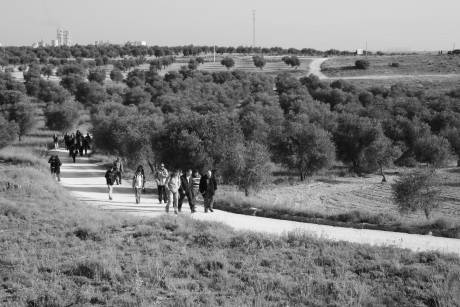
(315, 69)
(85, 180)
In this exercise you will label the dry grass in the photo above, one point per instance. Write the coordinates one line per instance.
(56, 252)
(350, 202)
(380, 65)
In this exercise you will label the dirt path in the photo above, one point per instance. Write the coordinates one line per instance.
(315, 68)
(85, 180)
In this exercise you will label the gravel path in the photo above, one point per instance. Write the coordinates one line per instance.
(85, 180)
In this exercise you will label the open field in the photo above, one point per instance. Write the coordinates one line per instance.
(58, 252)
(358, 202)
(435, 85)
(380, 65)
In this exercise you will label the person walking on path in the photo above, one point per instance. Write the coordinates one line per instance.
(196, 185)
(208, 187)
(55, 167)
(56, 141)
(110, 180)
(138, 183)
(118, 164)
(173, 185)
(161, 176)
(86, 143)
(67, 141)
(186, 189)
(73, 150)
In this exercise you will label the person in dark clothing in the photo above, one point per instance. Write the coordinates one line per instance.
(79, 139)
(73, 150)
(86, 143)
(186, 189)
(208, 187)
(55, 167)
(119, 170)
(66, 141)
(110, 180)
(71, 143)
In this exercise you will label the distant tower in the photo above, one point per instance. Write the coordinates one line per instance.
(60, 36)
(67, 39)
(253, 28)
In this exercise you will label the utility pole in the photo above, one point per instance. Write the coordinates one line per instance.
(365, 50)
(214, 53)
(253, 28)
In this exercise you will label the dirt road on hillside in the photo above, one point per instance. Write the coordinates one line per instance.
(85, 180)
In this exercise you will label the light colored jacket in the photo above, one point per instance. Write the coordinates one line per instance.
(173, 183)
(161, 176)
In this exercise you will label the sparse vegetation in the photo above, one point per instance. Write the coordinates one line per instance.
(181, 262)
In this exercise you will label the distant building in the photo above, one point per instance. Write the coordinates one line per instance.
(35, 45)
(101, 43)
(54, 43)
(137, 43)
(63, 37)
(359, 51)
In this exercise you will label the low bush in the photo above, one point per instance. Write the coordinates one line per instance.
(362, 64)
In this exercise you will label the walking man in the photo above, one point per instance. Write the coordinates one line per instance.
(118, 164)
(86, 143)
(161, 176)
(208, 187)
(186, 189)
(110, 179)
(173, 184)
(73, 150)
(55, 167)
(138, 183)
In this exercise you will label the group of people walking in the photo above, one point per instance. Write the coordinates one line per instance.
(173, 187)
(76, 143)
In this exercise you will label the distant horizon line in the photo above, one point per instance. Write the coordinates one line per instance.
(395, 50)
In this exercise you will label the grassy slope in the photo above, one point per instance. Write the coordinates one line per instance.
(57, 252)
(380, 65)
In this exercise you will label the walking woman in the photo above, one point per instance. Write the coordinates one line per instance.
(110, 179)
(173, 184)
(138, 183)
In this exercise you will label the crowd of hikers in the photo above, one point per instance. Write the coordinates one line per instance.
(173, 187)
(76, 143)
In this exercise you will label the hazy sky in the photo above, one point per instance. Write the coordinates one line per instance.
(320, 24)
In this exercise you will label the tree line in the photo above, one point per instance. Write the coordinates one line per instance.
(241, 123)
(24, 55)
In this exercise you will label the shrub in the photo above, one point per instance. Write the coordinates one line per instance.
(62, 117)
(432, 149)
(362, 64)
(97, 75)
(8, 131)
(255, 168)
(417, 190)
(228, 62)
(394, 64)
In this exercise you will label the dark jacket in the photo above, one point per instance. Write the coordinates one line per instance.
(186, 187)
(110, 177)
(208, 185)
(55, 163)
